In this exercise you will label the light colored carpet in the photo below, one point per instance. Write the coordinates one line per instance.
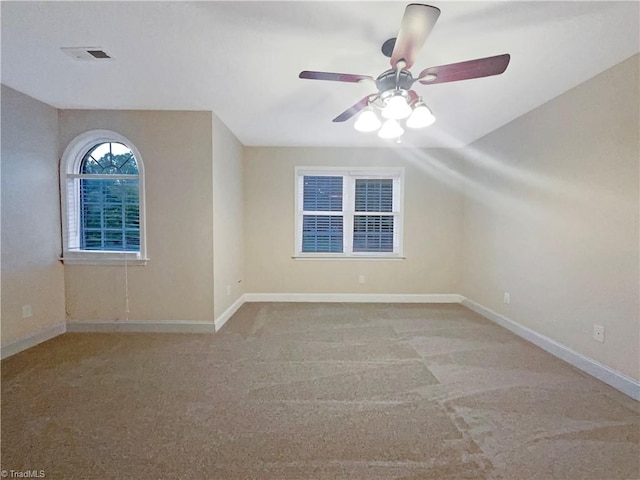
(314, 391)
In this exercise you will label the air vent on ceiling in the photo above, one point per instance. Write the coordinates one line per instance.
(87, 53)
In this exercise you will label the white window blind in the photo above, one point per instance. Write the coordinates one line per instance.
(322, 220)
(348, 212)
(109, 199)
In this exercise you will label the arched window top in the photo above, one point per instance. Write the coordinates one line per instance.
(109, 158)
(76, 157)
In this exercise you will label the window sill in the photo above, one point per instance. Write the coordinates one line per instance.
(334, 256)
(102, 258)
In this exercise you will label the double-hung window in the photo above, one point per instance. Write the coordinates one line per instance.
(348, 212)
(102, 187)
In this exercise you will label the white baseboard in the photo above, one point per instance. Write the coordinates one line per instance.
(614, 378)
(32, 340)
(228, 313)
(139, 326)
(354, 297)
(162, 326)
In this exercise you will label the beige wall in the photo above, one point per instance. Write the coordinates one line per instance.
(552, 216)
(31, 272)
(228, 212)
(177, 283)
(432, 225)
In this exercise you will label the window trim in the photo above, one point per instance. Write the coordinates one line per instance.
(70, 164)
(350, 174)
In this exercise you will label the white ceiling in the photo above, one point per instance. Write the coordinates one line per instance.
(242, 59)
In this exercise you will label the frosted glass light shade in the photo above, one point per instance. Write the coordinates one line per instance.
(396, 107)
(367, 121)
(421, 117)
(390, 129)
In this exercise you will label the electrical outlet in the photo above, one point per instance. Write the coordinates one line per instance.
(228, 290)
(598, 333)
(26, 311)
(507, 297)
(361, 279)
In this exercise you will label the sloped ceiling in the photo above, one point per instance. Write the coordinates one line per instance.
(242, 59)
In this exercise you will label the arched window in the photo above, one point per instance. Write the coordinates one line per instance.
(102, 185)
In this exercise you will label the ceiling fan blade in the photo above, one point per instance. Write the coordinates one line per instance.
(417, 23)
(336, 77)
(347, 114)
(481, 67)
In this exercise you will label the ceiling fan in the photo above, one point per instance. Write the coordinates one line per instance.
(395, 98)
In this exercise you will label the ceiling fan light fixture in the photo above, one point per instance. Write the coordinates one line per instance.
(367, 121)
(420, 117)
(390, 129)
(396, 107)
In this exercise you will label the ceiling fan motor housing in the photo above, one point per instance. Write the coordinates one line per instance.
(387, 80)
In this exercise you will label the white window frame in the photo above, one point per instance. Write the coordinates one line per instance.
(350, 175)
(70, 164)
